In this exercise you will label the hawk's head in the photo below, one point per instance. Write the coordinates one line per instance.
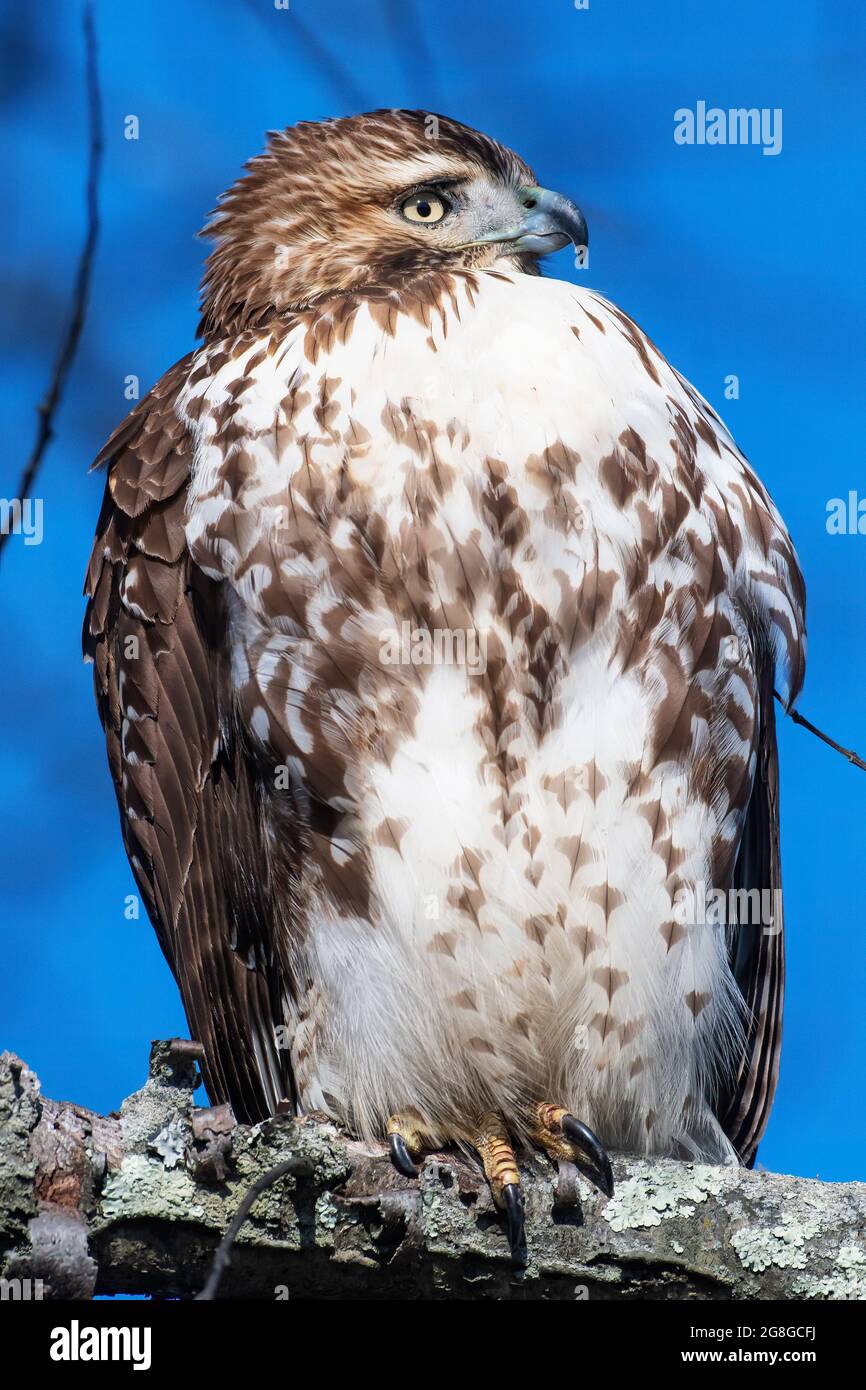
(372, 200)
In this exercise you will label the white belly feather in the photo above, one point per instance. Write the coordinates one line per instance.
(517, 472)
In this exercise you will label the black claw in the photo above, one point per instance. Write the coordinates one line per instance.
(583, 1138)
(512, 1198)
(400, 1156)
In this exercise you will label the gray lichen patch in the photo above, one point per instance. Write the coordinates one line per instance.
(148, 1112)
(663, 1189)
(847, 1282)
(143, 1187)
(449, 1223)
(171, 1143)
(783, 1245)
(437, 1219)
(320, 1144)
(810, 1227)
(327, 1217)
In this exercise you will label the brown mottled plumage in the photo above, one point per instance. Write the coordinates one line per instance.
(440, 897)
(322, 194)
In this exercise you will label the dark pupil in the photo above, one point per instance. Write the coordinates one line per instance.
(423, 208)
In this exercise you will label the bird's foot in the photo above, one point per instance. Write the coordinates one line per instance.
(566, 1139)
(554, 1129)
(493, 1147)
(408, 1137)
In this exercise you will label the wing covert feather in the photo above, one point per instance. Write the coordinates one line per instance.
(193, 804)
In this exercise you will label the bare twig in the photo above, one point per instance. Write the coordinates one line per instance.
(337, 73)
(825, 738)
(69, 343)
(410, 44)
(223, 1252)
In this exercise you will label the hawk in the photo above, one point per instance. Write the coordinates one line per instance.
(439, 898)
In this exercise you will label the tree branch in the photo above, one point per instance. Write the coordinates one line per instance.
(825, 738)
(323, 62)
(47, 407)
(138, 1202)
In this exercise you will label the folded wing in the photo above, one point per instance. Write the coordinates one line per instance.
(194, 808)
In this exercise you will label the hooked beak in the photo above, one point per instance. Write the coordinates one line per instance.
(549, 222)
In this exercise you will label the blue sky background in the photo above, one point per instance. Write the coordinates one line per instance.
(734, 262)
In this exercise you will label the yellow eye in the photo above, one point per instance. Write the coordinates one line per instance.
(424, 207)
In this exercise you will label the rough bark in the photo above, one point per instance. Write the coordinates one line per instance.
(136, 1202)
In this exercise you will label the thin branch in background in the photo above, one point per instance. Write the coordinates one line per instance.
(296, 1166)
(825, 738)
(338, 74)
(47, 407)
(411, 46)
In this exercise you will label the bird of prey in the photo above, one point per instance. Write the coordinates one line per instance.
(436, 621)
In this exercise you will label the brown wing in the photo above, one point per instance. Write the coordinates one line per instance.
(193, 806)
(758, 955)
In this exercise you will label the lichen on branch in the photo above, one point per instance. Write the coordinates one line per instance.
(138, 1202)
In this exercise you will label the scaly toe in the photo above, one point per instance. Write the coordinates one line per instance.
(493, 1146)
(565, 1138)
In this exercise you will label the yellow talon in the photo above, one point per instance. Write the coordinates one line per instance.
(496, 1154)
(566, 1139)
(500, 1168)
(407, 1140)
